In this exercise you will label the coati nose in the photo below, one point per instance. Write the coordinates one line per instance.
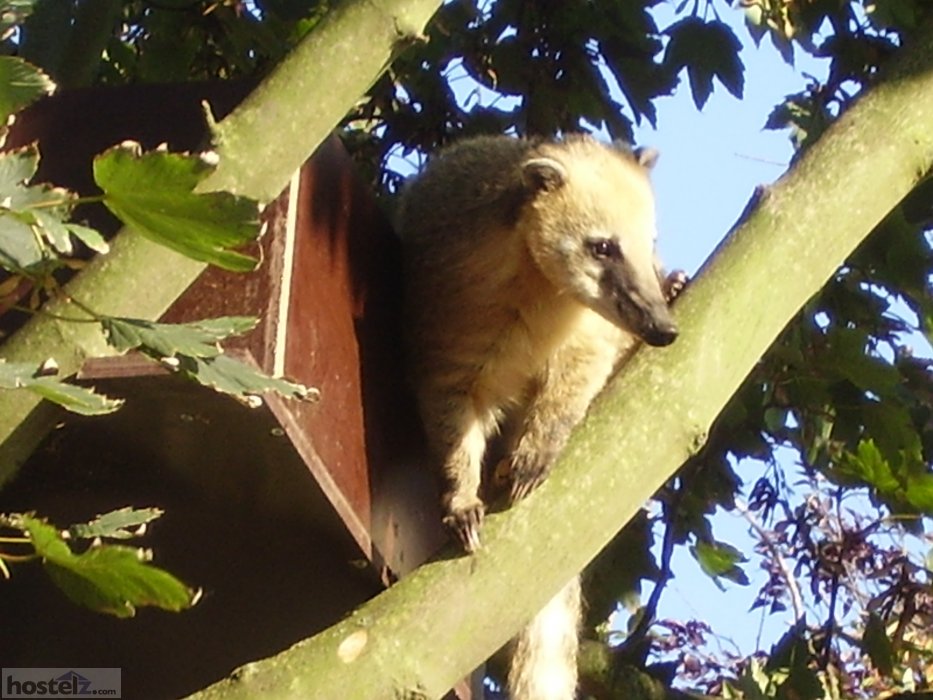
(661, 333)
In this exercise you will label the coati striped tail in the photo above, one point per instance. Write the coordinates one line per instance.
(544, 663)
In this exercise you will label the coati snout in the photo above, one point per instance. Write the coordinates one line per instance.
(639, 305)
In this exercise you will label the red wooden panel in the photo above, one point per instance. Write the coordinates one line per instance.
(361, 441)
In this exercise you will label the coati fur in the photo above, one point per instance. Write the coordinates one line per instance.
(530, 274)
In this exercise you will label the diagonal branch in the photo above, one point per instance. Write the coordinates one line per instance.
(416, 639)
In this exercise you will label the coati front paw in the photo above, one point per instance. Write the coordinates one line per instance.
(465, 518)
(527, 475)
(674, 284)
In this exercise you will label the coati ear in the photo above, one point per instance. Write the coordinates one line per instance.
(646, 157)
(543, 174)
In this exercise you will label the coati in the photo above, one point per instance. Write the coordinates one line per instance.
(530, 273)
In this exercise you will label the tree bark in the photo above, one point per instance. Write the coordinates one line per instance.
(416, 639)
(260, 144)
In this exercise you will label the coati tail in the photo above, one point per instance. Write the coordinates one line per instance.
(544, 663)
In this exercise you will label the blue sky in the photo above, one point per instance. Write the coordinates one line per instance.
(710, 163)
(712, 160)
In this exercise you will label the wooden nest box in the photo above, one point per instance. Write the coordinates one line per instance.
(288, 515)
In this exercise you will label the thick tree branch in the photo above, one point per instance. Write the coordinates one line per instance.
(416, 639)
(262, 143)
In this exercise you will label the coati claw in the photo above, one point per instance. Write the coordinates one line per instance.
(465, 523)
(526, 477)
(674, 284)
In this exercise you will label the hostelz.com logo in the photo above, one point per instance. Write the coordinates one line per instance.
(60, 682)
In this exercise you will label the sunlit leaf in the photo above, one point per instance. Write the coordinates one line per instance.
(919, 492)
(33, 218)
(21, 83)
(107, 578)
(32, 377)
(231, 376)
(720, 560)
(154, 193)
(195, 339)
(121, 524)
(20, 248)
(194, 349)
(89, 237)
(868, 466)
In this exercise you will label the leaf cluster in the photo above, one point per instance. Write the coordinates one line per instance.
(857, 40)
(515, 67)
(156, 194)
(105, 577)
(119, 42)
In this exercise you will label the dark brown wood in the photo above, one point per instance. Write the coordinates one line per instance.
(242, 519)
(271, 509)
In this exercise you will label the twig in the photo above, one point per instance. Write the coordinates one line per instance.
(793, 588)
(667, 552)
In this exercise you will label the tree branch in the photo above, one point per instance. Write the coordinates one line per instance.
(416, 639)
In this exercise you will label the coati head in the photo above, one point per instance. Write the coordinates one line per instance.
(589, 220)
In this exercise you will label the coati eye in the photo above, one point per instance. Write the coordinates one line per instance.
(604, 249)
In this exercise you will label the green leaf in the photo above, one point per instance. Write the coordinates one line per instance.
(196, 339)
(20, 248)
(194, 350)
(32, 217)
(21, 83)
(707, 50)
(53, 230)
(74, 398)
(868, 466)
(719, 560)
(89, 237)
(230, 376)
(791, 658)
(775, 419)
(919, 492)
(896, 14)
(154, 193)
(850, 359)
(877, 645)
(107, 578)
(122, 524)
(16, 167)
